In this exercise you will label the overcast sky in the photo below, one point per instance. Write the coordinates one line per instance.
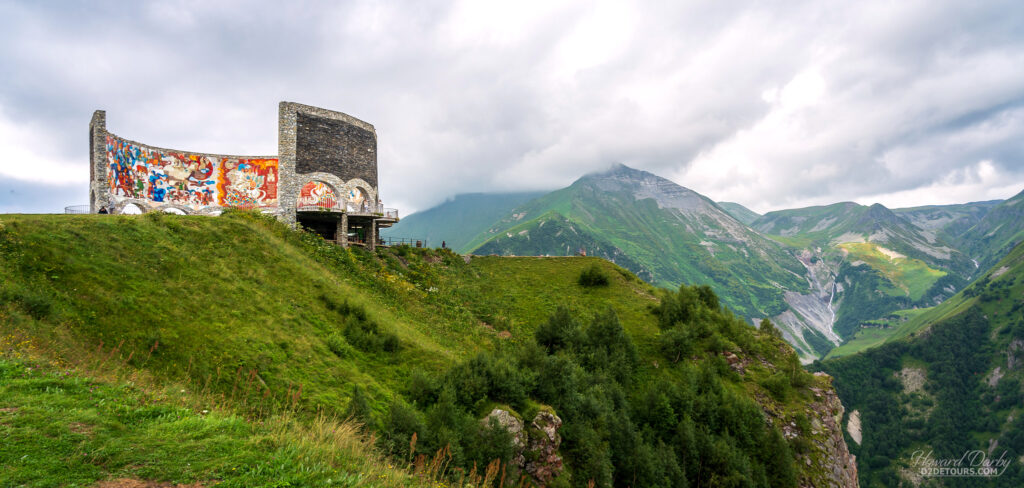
(770, 104)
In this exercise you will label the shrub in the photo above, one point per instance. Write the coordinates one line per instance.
(561, 331)
(368, 336)
(337, 344)
(769, 328)
(778, 385)
(33, 302)
(359, 408)
(676, 343)
(679, 308)
(400, 424)
(593, 276)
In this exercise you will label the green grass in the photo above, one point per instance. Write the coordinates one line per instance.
(242, 309)
(881, 331)
(909, 323)
(63, 428)
(912, 276)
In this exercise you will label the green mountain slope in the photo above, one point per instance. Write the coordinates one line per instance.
(850, 222)
(948, 382)
(876, 260)
(668, 235)
(271, 323)
(739, 212)
(999, 231)
(947, 221)
(552, 231)
(455, 222)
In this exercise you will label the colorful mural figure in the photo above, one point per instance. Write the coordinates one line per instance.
(190, 180)
(358, 197)
(317, 194)
(248, 182)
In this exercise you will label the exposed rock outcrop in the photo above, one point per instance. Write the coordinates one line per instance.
(537, 446)
(545, 463)
(514, 426)
(839, 467)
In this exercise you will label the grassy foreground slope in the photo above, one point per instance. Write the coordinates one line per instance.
(65, 426)
(267, 324)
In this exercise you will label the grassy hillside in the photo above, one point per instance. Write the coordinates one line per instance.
(741, 213)
(846, 222)
(908, 323)
(947, 221)
(64, 426)
(909, 277)
(947, 380)
(455, 222)
(266, 325)
(876, 332)
(998, 232)
(681, 238)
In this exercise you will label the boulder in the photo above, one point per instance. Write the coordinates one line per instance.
(545, 464)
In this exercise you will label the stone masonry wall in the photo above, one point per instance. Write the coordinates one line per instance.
(337, 147)
(351, 154)
(99, 190)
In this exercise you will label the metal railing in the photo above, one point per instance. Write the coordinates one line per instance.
(321, 207)
(351, 208)
(404, 241)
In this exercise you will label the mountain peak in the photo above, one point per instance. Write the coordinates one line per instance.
(620, 170)
(643, 185)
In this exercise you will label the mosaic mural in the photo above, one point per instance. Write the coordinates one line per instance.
(191, 180)
(357, 196)
(317, 194)
(248, 182)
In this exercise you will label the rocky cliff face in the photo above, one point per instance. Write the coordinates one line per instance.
(837, 467)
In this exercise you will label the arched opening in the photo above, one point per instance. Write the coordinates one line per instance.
(317, 194)
(175, 211)
(318, 209)
(131, 209)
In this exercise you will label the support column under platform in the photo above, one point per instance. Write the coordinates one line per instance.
(373, 234)
(343, 230)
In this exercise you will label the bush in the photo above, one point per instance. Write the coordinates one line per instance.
(593, 276)
(676, 343)
(561, 331)
(33, 302)
(359, 408)
(769, 328)
(368, 336)
(778, 385)
(337, 344)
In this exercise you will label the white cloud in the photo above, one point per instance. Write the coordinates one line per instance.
(980, 182)
(771, 105)
(26, 154)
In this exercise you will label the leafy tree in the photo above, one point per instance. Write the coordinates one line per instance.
(769, 328)
(559, 332)
(359, 408)
(593, 276)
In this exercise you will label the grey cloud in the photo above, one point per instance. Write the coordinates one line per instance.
(18, 196)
